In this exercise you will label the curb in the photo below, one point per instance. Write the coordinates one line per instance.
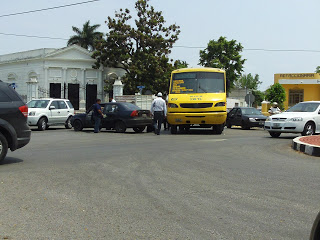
(306, 148)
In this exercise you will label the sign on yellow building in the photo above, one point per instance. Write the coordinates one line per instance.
(299, 87)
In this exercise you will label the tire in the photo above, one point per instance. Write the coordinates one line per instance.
(42, 124)
(309, 129)
(229, 125)
(173, 129)
(139, 129)
(315, 231)
(120, 127)
(68, 124)
(244, 126)
(275, 134)
(3, 147)
(77, 125)
(218, 129)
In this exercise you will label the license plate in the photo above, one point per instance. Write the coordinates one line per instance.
(178, 120)
(144, 115)
(276, 125)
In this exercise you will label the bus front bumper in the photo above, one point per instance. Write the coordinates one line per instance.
(204, 118)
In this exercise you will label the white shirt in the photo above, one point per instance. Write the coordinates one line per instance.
(274, 110)
(113, 100)
(159, 105)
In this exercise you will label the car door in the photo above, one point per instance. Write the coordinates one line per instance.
(54, 112)
(231, 116)
(89, 118)
(111, 111)
(64, 111)
(238, 117)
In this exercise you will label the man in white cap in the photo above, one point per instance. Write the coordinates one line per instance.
(159, 112)
(274, 109)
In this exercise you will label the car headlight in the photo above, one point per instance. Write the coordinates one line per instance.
(252, 119)
(220, 104)
(32, 113)
(296, 119)
(173, 105)
(268, 119)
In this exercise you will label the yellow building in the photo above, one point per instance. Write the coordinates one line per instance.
(299, 87)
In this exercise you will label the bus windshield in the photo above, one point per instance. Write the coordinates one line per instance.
(197, 82)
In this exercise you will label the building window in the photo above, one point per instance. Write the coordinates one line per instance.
(295, 96)
(32, 86)
(12, 77)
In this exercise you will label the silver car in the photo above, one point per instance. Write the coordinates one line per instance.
(50, 112)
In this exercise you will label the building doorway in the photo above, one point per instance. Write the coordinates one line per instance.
(55, 90)
(73, 95)
(295, 96)
(91, 95)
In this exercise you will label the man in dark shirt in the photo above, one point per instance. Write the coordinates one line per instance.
(97, 115)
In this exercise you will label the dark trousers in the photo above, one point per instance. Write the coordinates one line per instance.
(97, 121)
(157, 121)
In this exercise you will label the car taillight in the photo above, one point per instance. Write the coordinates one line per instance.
(134, 113)
(24, 110)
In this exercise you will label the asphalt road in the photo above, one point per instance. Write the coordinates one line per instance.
(80, 185)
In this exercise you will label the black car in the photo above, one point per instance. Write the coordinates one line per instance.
(246, 117)
(118, 116)
(14, 130)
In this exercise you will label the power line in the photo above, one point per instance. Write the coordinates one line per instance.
(46, 9)
(191, 47)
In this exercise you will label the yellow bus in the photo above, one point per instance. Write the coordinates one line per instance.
(197, 98)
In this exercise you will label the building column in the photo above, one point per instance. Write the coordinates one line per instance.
(46, 86)
(83, 89)
(65, 82)
(100, 77)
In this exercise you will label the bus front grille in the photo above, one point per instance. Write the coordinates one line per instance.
(196, 105)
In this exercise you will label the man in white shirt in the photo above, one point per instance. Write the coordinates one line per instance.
(111, 99)
(159, 112)
(274, 109)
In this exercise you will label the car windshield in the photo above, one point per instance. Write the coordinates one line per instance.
(304, 107)
(38, 103)
(250, 111)
(197, 82)
(130, 106)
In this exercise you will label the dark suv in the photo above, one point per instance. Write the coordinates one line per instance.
(14, 130)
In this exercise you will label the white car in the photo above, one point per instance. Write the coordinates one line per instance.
(49, 112)
(302, 118)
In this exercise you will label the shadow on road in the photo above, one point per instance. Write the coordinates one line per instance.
(10, 160)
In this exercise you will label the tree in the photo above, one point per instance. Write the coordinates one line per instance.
(318, 69)
(87, 37)
(141, 49)
(276, 93)
(226, 55)
(180, 64)
(248, 82)
(259, 97)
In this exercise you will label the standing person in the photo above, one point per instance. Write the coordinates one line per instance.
(159, 112)
(111, 99)
(97, 115)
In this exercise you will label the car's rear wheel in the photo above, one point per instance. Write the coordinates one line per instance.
(120, 127)
(218, 129)
(309, 129)
(229, 125)
(68, 124)
(139, 129)
(244, 126)
(3, 147)
(42, 124)
(275, 134)
(77, 125)
(174, 129)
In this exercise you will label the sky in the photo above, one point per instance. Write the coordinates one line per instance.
(266, 24)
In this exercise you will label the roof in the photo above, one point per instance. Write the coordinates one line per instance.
(203, 69)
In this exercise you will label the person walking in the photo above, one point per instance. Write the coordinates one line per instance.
(159, 112)
(97, 115)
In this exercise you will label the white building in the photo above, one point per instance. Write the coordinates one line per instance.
(59, 73)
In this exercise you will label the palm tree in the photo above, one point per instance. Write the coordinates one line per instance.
(86, 37)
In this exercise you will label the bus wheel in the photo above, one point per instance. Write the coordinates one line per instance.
(173, 129)
(218, 129)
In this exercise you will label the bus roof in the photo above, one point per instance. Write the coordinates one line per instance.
(205, 69)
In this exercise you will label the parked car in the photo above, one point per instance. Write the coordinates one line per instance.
(118, 116)
(14, 130)
(50, 112)
(246, 117)
(302, 118)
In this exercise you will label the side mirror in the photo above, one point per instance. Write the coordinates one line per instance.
(52, 107)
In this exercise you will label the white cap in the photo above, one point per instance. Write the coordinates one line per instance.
(159, 94)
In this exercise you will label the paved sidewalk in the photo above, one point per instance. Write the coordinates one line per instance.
(309, 145)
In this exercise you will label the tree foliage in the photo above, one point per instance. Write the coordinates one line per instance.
(87, 37)
(318, 69)
(226, 55)
(259, 97)
(276, 93)
(248, 81)
(180, 64)
(141, 49)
